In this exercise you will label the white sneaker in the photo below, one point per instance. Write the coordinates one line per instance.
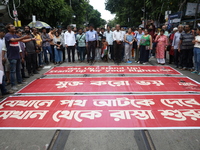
(20, 84)
(14, 88)
(144, 63)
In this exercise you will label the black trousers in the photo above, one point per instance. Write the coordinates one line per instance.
(64, 55)
(31, 60)
(111, 52)
(23, 70)
(186, 58)
(144, 54)
(177, 59)
(53, 54)
(117, 51)
(69, 50)
(91, 49)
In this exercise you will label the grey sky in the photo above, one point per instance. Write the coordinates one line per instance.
(100, 6)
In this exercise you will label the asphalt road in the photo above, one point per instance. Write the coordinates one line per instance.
(100, 140)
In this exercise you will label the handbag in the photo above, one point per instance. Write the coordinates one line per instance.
(61, 46)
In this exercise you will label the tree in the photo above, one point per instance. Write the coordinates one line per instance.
(53, 12)
(57, 12)
(154, 9)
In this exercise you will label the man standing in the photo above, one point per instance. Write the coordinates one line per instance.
(118, 40)
(38, 46)
(51, 35)
(103, 32)
(70, 42)
(46, 45)
(13, 54)
(138, 37)
(175, 46)
(91, 40)
(109, 39)
(31, 56)
(81, 44)
(99, 43)
(22, 50)
(186, 48)
(164, 27)
(2, 84)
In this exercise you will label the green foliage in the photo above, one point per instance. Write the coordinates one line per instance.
(155, 9)
(59, 12)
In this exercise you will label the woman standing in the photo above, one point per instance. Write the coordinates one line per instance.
(162, 43)
(145, 46)
(58, 47)
(129, 39)
(197, 53)
(80, 38)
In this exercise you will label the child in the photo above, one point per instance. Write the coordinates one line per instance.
(104, 51)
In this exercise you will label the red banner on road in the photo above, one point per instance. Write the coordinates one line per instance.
(101, 112)
(112, 85)
(113, 70)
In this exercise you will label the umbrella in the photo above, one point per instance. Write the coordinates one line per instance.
(39, 25)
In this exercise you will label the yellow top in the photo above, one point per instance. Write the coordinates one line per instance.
(51, 37)
(38, 39)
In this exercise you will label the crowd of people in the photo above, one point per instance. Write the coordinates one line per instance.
(25, 51)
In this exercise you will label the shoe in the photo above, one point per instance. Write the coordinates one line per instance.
(22, 83)
(25, 77)
(199, 74)
(144, 63)
(138, 62)
(30, 74)
(184, 68)
(35, 72)
(14, 88)
(8, 92)
(129, 62)
(194, 72)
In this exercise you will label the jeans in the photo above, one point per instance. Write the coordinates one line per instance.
(40, 60)
(15, 71)
(82, 53)
(58, 55)
(98, 54)
(197, 59)
(45, 49)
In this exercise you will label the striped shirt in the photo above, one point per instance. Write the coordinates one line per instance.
(187, 39)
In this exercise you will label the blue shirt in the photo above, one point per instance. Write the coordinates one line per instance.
(91, 36)
(13, 51)
(129, 38)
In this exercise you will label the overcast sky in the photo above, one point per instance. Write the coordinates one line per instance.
(100, 6)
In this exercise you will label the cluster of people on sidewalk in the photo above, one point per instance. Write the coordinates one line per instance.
(28, 49)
